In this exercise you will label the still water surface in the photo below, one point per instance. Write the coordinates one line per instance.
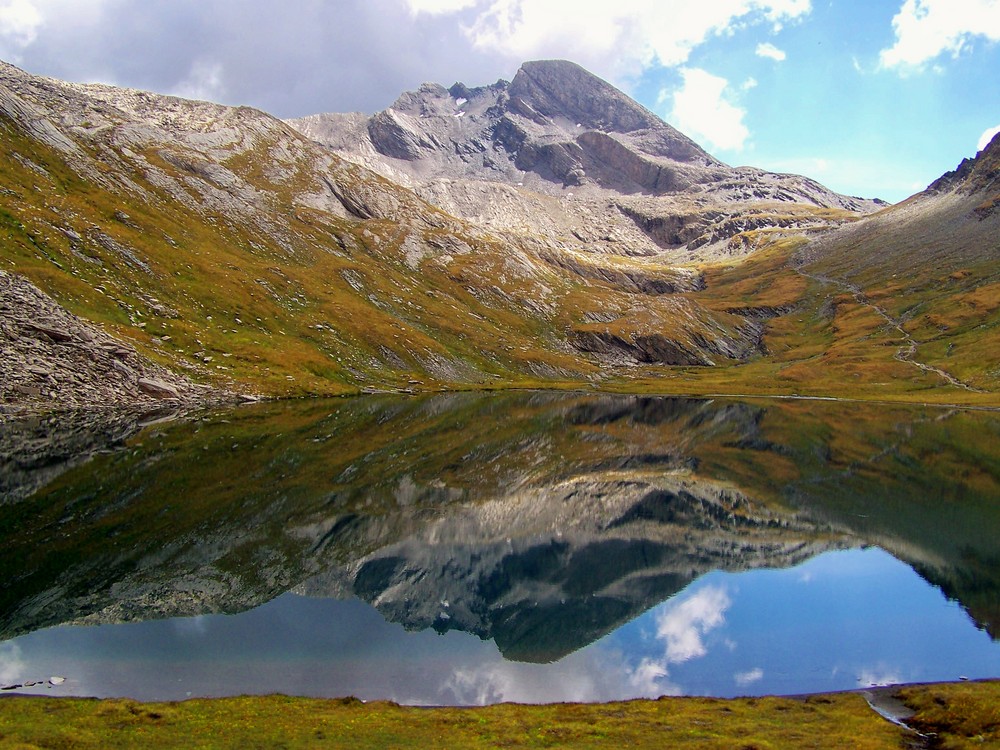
(516, 547)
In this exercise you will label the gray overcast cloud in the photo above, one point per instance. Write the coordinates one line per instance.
(309, 56)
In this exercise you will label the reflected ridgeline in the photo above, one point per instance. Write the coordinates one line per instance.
(540, 520)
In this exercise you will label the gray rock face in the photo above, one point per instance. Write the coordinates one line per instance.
(559, 88)
(157, 388)
(51, 359)
(562, 132)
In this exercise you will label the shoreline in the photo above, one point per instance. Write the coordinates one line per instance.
(212, 398)
(873, 690)
(937, 714)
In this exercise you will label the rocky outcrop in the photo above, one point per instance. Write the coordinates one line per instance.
(977, 176)
(50, 359)
(633, 279)
(552, 89)
(393, 135)
(650, 348)
(680, 348)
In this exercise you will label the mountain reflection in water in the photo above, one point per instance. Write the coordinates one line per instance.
(543, 522)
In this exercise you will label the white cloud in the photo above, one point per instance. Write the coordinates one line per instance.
(926, 29)
(482, 685)
(702, 109)
(743, 679)
(616, 40)
(766, 49)
(682, 626)
(20, 21)
(204, 81)
(11, 664)
(583, 677)
(647, 678)
(986, 137)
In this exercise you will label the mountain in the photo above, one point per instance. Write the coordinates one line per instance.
(543, 232)
(627, 182)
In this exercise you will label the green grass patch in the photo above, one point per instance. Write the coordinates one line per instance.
(832, 721)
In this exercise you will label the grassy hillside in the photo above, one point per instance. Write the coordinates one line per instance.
(225, 245)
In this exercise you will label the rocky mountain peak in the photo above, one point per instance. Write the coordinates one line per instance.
(562, 89)
(561, 92)
(627, 182)
(980, 174)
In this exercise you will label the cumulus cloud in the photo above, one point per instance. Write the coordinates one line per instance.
(703, 109)
(485, 684)
(204, 81)
(20, 21)
(986, 137)
(766, 49)
(681, 627)
(743, 679)
(648, 678)
(617, 40)
(355, 55)
(587, 676)
(324, 57)
(926, 29)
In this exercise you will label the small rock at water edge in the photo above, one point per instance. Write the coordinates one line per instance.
(157, 388)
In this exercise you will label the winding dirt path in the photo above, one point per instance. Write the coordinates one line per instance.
(907, 351)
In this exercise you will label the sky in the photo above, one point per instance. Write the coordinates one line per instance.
(839, 621)
(875, 98)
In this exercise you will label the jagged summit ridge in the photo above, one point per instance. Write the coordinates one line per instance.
(553, 121)
(561, 89)
(980, 174)
(557, 130)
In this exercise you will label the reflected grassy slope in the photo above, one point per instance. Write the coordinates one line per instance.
(227, 511)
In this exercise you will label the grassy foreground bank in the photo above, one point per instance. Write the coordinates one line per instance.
(948, 715)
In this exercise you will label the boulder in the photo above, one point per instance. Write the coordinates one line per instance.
(157, 388)
(58, 335)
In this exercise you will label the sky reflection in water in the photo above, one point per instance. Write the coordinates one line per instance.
(842, 620)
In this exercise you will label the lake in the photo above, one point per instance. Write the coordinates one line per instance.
(477, 548)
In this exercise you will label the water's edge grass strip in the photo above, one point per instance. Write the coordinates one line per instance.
(947, 715)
